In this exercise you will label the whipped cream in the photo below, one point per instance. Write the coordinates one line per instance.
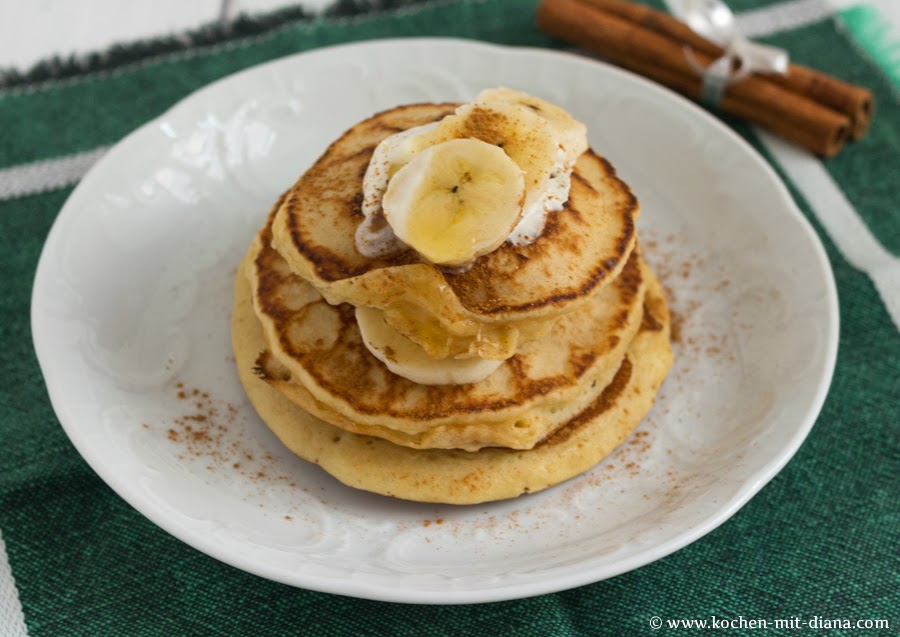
(553, 199)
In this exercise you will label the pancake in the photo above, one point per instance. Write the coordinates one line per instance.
(316, 357)
(456, 476)
(507, 297)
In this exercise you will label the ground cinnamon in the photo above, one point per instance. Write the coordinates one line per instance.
(806, 107)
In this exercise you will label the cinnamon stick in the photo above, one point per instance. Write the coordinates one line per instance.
(653, 52)
(853, 101)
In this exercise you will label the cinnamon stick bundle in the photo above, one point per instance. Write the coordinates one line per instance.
(807, 107)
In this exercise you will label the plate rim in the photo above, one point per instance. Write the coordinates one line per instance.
(587, 574)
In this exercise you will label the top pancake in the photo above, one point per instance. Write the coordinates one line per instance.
(581, 249)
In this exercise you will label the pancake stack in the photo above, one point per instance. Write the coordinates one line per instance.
(464, 380)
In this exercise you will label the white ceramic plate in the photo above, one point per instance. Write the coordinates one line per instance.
(131, 325)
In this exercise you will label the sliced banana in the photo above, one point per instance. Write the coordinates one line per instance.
(407, 359)
(391, 154)
(455, 201)
(570, 133)
(523, 135)
(374, 237)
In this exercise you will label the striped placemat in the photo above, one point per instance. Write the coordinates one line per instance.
(820, 541)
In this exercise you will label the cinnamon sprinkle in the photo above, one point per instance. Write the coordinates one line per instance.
(208, 431)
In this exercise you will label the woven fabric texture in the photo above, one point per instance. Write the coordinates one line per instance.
(822, 539)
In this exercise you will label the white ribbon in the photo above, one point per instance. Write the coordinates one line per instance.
(714, 20)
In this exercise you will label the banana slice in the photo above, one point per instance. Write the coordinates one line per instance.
(455, 201)
(570, 133)
(523, 135)
(374, 238)
(391, 154)
(407, 359)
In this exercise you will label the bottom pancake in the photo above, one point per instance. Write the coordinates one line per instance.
(457, 476)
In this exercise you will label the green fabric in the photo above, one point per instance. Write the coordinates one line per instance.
(822, 539)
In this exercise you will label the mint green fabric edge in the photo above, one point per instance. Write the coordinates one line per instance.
(870, 29)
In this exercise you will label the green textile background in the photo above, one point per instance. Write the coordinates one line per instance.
(822, 539)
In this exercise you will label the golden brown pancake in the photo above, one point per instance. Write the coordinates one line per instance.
(316, 357)
(456, 476)
(511, 295)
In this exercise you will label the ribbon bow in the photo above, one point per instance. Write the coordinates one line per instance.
(714, 20)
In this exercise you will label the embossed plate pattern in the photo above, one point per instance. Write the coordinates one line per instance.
(131, 325)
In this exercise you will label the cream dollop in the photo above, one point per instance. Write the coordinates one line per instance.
(553, 199)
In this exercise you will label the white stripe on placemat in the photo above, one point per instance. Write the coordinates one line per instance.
(12, 620)
(837, 215)
(47, 174)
